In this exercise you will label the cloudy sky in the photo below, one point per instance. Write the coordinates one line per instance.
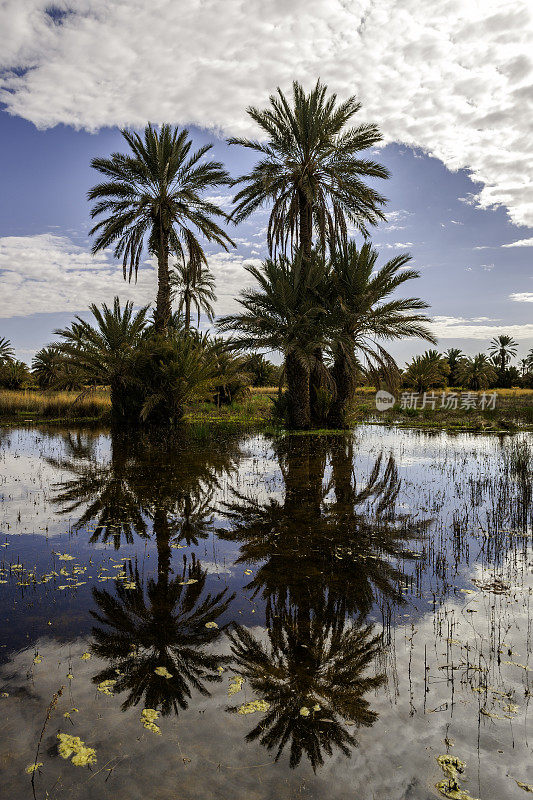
(449, 84)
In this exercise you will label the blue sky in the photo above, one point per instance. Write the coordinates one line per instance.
(459, 199)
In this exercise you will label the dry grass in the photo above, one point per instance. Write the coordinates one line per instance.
(53, 405)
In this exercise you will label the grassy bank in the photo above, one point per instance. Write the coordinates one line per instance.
(513, 408)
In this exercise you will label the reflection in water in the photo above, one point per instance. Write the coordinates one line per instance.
(315, 552)
(319, 533)
(170, 482)
(319, 560)
(313, 675)
(163, 627)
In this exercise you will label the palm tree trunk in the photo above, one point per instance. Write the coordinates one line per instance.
(163, 303)
(342, 376)
(298, 392)
(306, 227)
(187, 311)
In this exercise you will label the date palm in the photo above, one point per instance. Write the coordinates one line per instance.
(154, 197)
(476, 372)
(502, 348)
(7, 354)
(285, 313)
(101, 354)
(361, 293)
(193, 289)
(453, 356)
(427, 371)
(310, 171)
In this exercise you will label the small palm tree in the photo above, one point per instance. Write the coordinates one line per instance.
(310, 171)
(286, 314)
(194, 289)
(361, 292)
(102, 354)
(155, 196)
(502, 348)
(529, 359)
(427, 371)
(476, 372)
(453, 356)
(7, 354)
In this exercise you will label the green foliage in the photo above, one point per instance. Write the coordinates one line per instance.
(428, 371)
(14, 375)
(194, 289)
(51, 369)
(7, 354)
(154, 196)
(310, 170)
(477, 372)
(262, 372)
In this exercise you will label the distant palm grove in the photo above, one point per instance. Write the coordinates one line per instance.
(323, 298)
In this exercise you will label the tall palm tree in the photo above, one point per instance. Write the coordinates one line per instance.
(360, 292)
(101, 354)
(427, 371)
(194, 289)
(154, 196)
(310, 171)
(7, 354)
(502, 348)
(476, 372)
(286, 314)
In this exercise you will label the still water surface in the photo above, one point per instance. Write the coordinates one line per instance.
(302, 616)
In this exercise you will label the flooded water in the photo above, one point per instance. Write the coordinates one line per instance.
(228, 616)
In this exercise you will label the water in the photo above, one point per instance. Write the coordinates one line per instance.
(310, 616)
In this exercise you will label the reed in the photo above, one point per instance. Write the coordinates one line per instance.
(52, 405)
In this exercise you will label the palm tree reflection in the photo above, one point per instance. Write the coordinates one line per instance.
(163, 627)
(323, 555)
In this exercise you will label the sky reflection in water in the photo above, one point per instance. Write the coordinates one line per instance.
(367, 595)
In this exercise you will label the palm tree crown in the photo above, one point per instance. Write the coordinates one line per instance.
(194, 289)
(7, 354)
(502, 348)
(155, 196)
(310, 170)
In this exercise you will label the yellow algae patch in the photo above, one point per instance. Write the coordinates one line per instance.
(235, 685)
(211, 625)
(163, 672)
(85, 657)
(106, 687)
(304, 711)
(449, 786)
(65, 557)
(73, 746)
(148, 718)
(525, 786)
(37, 659)
(253, 706)
(32, 767)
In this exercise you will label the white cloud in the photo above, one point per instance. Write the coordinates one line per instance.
(522, 297)
(453, 79)
(49, 273)
(520, 243)
(461, 328)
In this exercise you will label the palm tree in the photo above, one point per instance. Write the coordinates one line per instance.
(52, 370)
(502, 348)
(476, 372)
(310, 171)
(194, 289)
(285, 313)
(529, 359)
(154, 196)
(453, 356)
(360, 292)
(102, 354)
(7, 354)
(427, 371)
